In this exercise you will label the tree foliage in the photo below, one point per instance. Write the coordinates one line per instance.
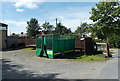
(78, 30)
(106, 16)
(33, 27)
(47, 28)
(14, 35)
(60, 29)
(82, 28)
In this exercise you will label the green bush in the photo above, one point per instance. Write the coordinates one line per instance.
(114, 42)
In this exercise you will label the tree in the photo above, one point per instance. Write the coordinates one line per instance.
(82, 28)
(47, 28)
(22, 33)
(78, 30)
(69, 31)
(106, 16)
(14, 35)
(33, 27)
(60, 29)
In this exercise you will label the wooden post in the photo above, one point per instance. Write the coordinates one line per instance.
(107, 50)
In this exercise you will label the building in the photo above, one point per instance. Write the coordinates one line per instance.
(87, 34)
(3, 36)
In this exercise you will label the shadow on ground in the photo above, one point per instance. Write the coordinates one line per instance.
(72, 55)
(13, 48)
(9, 73)
(14, 72)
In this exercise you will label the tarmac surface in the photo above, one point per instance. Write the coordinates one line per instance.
(17, 64)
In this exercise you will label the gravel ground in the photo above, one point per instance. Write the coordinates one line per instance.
(18, 64)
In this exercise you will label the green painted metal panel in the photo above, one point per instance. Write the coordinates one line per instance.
(56, 43)
(56, 46)
(38, 51)
(66, 45)
(61, 45)
(68, 42)
(49, 42)
(50, 56)
(38, 41)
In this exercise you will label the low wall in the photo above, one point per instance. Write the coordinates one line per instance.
(12, 42)
(26, 42)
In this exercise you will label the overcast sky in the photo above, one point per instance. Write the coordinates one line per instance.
(71, 14)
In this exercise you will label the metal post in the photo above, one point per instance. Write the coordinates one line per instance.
(56, 22)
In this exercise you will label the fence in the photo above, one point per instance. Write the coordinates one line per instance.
(26, 41)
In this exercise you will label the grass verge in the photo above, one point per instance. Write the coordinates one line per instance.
(75, 56)
(90, 58)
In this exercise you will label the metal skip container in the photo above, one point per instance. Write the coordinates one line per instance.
(54, 45)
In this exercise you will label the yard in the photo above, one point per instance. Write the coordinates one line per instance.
(23, 64)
